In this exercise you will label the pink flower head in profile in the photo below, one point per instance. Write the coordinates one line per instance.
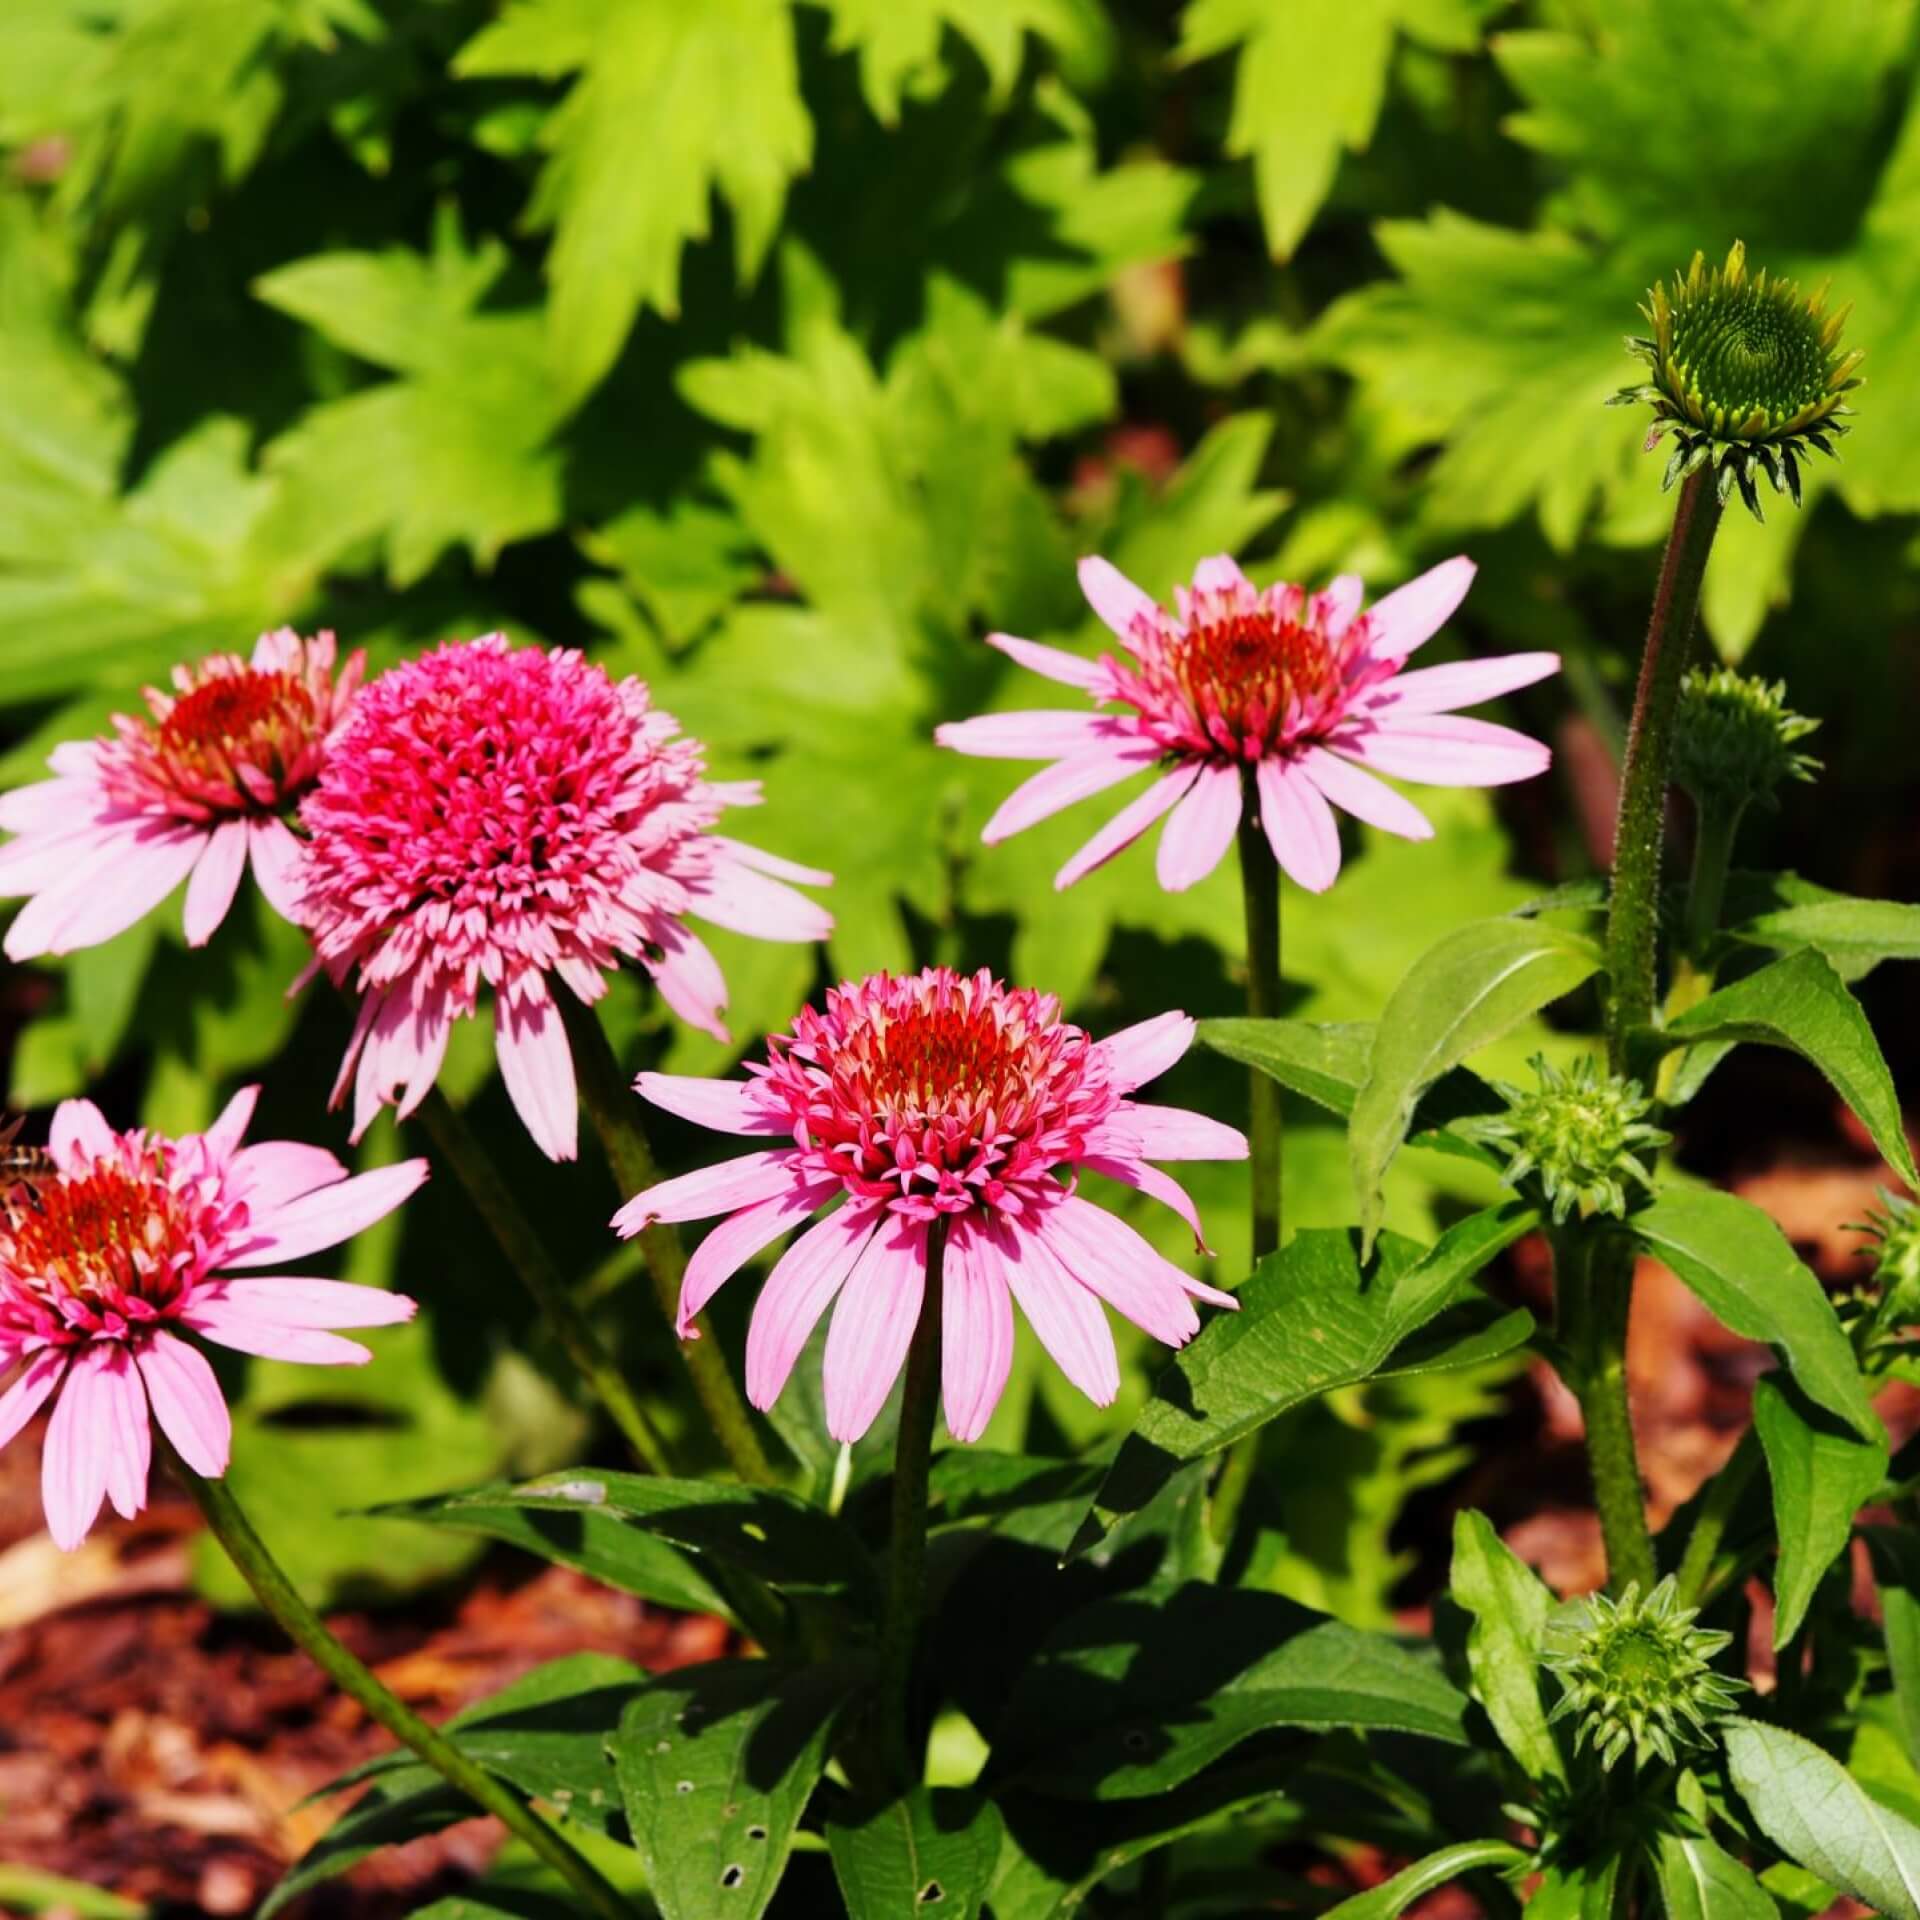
(1305, 689)
(500, 817)
(939, 1096)
(191, 794)
(131, 1241)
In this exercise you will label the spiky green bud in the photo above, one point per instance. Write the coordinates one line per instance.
(1637, 1673)
(1746, 372)
(1579, 1133)
(1734, 738)
(1893, 1231)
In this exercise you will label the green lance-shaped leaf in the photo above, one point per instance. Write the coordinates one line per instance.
(716, 1764)
(1391, 1898)
(1896, 1572)
(1823, 1473)
(1700, 1880)
(1309, 1321)
(1460, 996)
(1509, 1604)
(1788, 914)
(1802, 1004)
(933, 1852)
(1817, 1814)
(1748, 1277)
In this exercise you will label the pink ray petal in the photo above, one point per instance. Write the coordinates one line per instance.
(1337, 602)
(726, 1106)
(1154, 1184)
(1144, 1052)
(224, 1136)
(310, 1221)
(1065, 1316)
(735, 897)
(1200, 829)
(770, 864)
(690, 980)
(49, 859)
(28, 1394)
(976, 1334)
(1300, 825)
(188, 1403)
(1220, 573)
(104, 896)
(1052, 734)
(1449, 750)
(276, 858)
(1063, 784)
(74, 1467)
(1127, 825)
(798, 1291)
(125, 1433)
(1108, 1258)
(872, 1326)
(273, 1340)
(1054, 663)
(46, 804)
(215, 880)
(730, 1245)
(1361, 795)
(371, 1003)
(1463, 683)
(1411, 615)
(531, 1044)
(1114, 597)
(1147, 1132)
(724, 1188)
(294, 1300)
(271, 1172)
(79, 1136)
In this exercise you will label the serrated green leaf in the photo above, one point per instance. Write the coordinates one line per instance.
(1823, 1473)
(936, 1848)
(1748, 1277)
(1509, 1604)
(1393, 1896)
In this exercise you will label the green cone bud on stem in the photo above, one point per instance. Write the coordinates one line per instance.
(1894, 1242)
(1746, 372)
(1637, 1674)
(1735, 739)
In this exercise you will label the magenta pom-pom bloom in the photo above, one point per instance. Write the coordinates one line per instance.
(134, 1240)
(195, 793)
(499, 817)
(949, 1097)
(1307, 690)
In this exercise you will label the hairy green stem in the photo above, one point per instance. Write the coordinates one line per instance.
(1633, 919)
(257, 1566)
(1260, 894)
(907, 1546)
(614, 1109)
(1593, 1289)
(1694, 1576)
(1715, 829)
(514, 1234)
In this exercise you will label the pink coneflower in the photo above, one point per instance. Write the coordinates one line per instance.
(935, 1096)
(197, 790)
(131, 1241)
(495, 815)
(1305, 688)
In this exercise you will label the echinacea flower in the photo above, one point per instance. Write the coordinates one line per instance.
(132, 1240)
(496, 815)
(194, 793)
(928, 1097)
(1304, 690)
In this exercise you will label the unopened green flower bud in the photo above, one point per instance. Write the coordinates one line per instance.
(1637, 1674)
(1735, 739)
(1580, 1133)
(1746, 372)
(1893, 1231)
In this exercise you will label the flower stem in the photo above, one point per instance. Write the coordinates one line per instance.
(257, 1566)
(1715, 831)
(907, 1554)
(1634, 916)
(1593, 1286)
(513, 1233)
(1260, 893)
(1716, 1515)
(613, 1108)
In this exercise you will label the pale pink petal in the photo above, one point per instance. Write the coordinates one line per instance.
(1065, 1316)
(1064, 783)
(1144, 1052)
(74, 1467)
(48, 860)
(224, 1136)
(371, 1004)
(270, 1173)
(690, 980)
(1165, 1133)
(1055, 734)
(872, 1326)
(1220, 573)
(730, 1245)
(976, 1334)
(324, 1218)
(1200, 829)
(743, 901)
(48, 803)
(294, 1300)
(76, 759)
(531, 1044)
(726, 1106)
(797, 1292)
(1127, 825)
(28, 1394)
(276, 865)
(772, 864)
(723, 1188)
(1300, 825)
(1053, 663)
(187, 1402)
(1154, 1184)
(1361, 795)
(79, 1136)
(1464, 683)
(125, 1435)
(1108, 1257)
(1337, 602)
(1448, 750)
(1411, 615)
(1114, 597)
(271, 1340)
(215, 880)
(104, 897)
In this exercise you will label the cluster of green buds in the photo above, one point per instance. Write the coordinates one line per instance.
(1746, 372)
(1893, 1231)
(1638, 1675)
(1736, 739)
(1582, 1133)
